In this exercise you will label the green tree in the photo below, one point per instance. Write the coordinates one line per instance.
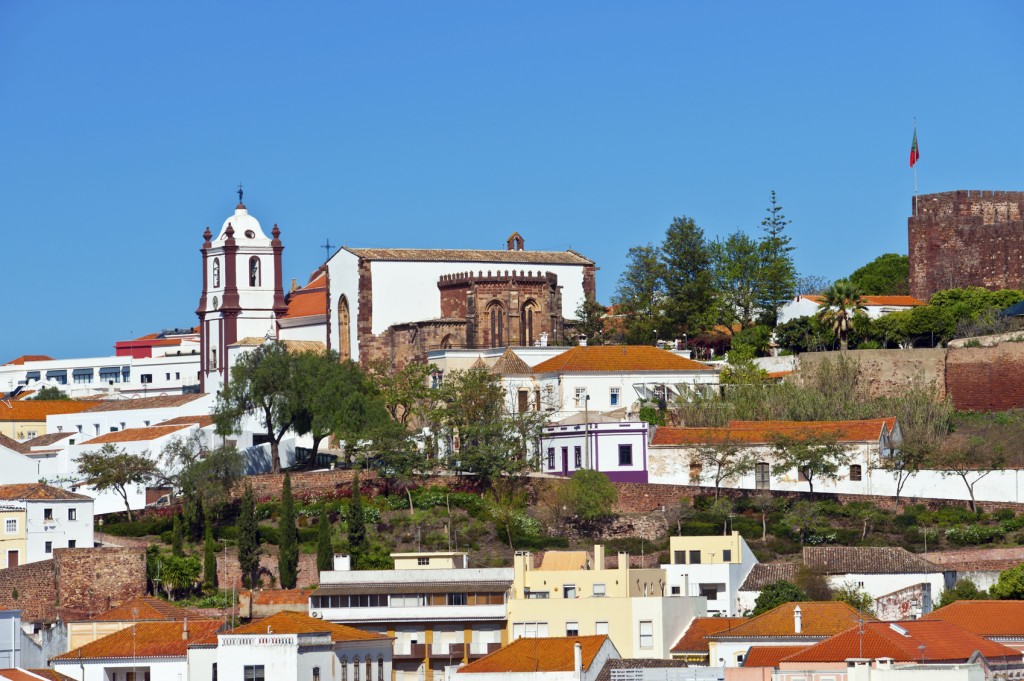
(886, 275)
(1010, 586)
(50, 392)
(778, 593)
(721, 462)
(803, 519)
(358, 543)
(964, 590)
(688, 279)
(114, 469)
(843, 304)
(589, 496)
(855, 597)
(803, 334)
(288, 549)
(405, 392)
(738, 277)
(179, 574)
(590, 321)
(814, 455)
(177, 536)
(209, 556)
(751, 342)
(201, 478)
(639, 298)
(248, 540)
(813, 583)
(778, 272)
(324, 548)
(262, 385)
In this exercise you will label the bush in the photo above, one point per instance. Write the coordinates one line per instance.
(953, 515)
(1004, 514)
(269, 535)
(970, 535)
(148, 526)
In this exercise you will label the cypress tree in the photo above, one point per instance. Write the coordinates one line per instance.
(248, 540)
(288, 550)
(209, 558)
(324, 550)
(357, 542)
(177, 536)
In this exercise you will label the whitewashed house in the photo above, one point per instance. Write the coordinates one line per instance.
(875, 306)
(39, 518)
(614, 447)
(713, 567)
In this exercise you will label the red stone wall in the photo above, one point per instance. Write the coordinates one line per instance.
(966, 238)
(986, 379)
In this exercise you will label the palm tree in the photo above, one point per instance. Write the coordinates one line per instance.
(842, 303)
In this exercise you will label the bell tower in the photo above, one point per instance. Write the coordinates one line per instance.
(242, 293)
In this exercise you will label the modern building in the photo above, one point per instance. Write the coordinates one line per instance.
(612, 446)
(39, 518)
(632, 606)
(713, 567)
(439, 610)
(572, 658)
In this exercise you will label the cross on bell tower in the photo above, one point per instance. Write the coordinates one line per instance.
(240, 193)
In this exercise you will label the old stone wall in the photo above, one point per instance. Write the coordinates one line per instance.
(887, 373)
(966, 238)
(986, 378)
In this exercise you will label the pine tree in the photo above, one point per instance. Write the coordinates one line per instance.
(288, 550)
(324, 549)
(778, 271)
(688, 279)
(177, 537)
(248, 540)
(209, 558)
(357, 542)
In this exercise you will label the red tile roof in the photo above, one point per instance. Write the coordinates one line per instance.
(47, 439)
(146, 639)
(29, 358)
(13, 444)
(20, 674)
(694, 639)
(142, 608)
(902, 641)
(287, 622)
(769, 656)
(309, 301)
(985, 618)
(763, 574)
(763, 432)
(877, 301)
(465, 255)
(281, 596)
(37, 491)
(145, 402)
(537, 655)
(866, 560)
(608, 358)
(203, 421)
(137, 434)
(38, 410)
(818, 619)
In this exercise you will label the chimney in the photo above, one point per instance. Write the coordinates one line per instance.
(583, 341)
(577, 659)
(342, 562)
(598, 557)
(797, 620)
(184, 629)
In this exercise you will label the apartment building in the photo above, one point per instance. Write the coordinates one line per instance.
(713, 567)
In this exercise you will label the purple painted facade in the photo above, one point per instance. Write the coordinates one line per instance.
(619, 450)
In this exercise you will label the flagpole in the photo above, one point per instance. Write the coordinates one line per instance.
(915, 170)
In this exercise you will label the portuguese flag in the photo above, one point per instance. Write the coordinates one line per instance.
(915, 154)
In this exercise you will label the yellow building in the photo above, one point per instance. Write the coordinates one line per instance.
(138, 609)
(25, 419)
(713, 567)
(13, 543)
(572, 593)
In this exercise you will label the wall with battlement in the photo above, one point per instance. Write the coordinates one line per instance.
(966, 238)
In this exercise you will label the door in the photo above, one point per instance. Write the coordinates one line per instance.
(12, 559)
(565, 461)
(762, 479)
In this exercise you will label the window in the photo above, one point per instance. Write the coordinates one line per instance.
(344, 669)
(855, 472)
(572, 628)
(168, 376)
(727, 555)
(529, 630)
(679, 558)
(762, 479)
(524, 401)
(49, 547)
(355, 669)
(254, 672)
(613, 397)
(537, 594)
(625, 455)
(213, 673)
(580, 395)
(47, 514)
(380, 668)
(578, 457)
(695, 557)
(647, 634)
(675, 591)
(213, 359)
(709, 591)
(804, 473)
(177, 375)
(11, 526)
(569, 591)
(497, 318)
(316, 673)
(72, 543)
(146, 378)
(600, 628)
(599, 590)
(423, 560)
(551, 458)
(408, 601)
(254, 271)
(216, 284)
(456, 599)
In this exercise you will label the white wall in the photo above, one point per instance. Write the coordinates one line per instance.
(160, 669)
(183, 371)
(605, 439)
(61, 530)
(103, 421)
(880, 585)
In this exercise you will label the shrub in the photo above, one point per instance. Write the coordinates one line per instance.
(969, 535)
(1004, 514)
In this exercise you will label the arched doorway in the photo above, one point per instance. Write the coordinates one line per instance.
(344, 330)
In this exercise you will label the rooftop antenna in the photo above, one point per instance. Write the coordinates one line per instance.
(240, 192)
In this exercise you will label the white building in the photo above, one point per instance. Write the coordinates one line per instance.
(875, 306)
(713, 567)
(52, 518)
(111, 416)
(614, 447)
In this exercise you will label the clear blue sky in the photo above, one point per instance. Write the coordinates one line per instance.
(126, 126)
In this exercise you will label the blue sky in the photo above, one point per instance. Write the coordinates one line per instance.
(589, 125)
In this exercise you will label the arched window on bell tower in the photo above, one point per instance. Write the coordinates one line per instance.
(254, 271)
(344, 330)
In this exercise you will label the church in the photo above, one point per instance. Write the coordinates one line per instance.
(391, 304)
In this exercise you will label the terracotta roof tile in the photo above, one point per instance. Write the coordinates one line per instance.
(292, 345)
(145, 639)
(12, 444)
(694, 639)
(465, 255)
(142, 608)
(763, 574)
(876, 301)
(20, 674)
(38, 410)
(203, 421)
(307, 302)
(942, 642)
(29, 358)
(985, 618)
(818, 618)
(136, 434)
(769, 656)
(47, 439)
(866, 560)
(510, 364)
(281, 596)
(762, 432)
(537, 655)
(37, 491)
(607, 358)
(287, 622)
(158, 402)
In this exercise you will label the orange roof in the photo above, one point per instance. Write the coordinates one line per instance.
(203, 421)
(564, 560)
(761, 432)
(876, 301)
(20, 674)
(38, 410)
(146, 639)
(694, 639)
(768, 656)
(537, 655)
(308, 302)
(281, 596)
(985, 618)
(288, 622)
(142, 608)
(137, 434)
(145, 402)
(818, 618)
(603, 358)
(37, 491)
(47, 439)
(910, 641)
(29, 358)
(13, 444)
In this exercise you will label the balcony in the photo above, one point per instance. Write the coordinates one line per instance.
(452, 650)
(477, 650)
(414, 651)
